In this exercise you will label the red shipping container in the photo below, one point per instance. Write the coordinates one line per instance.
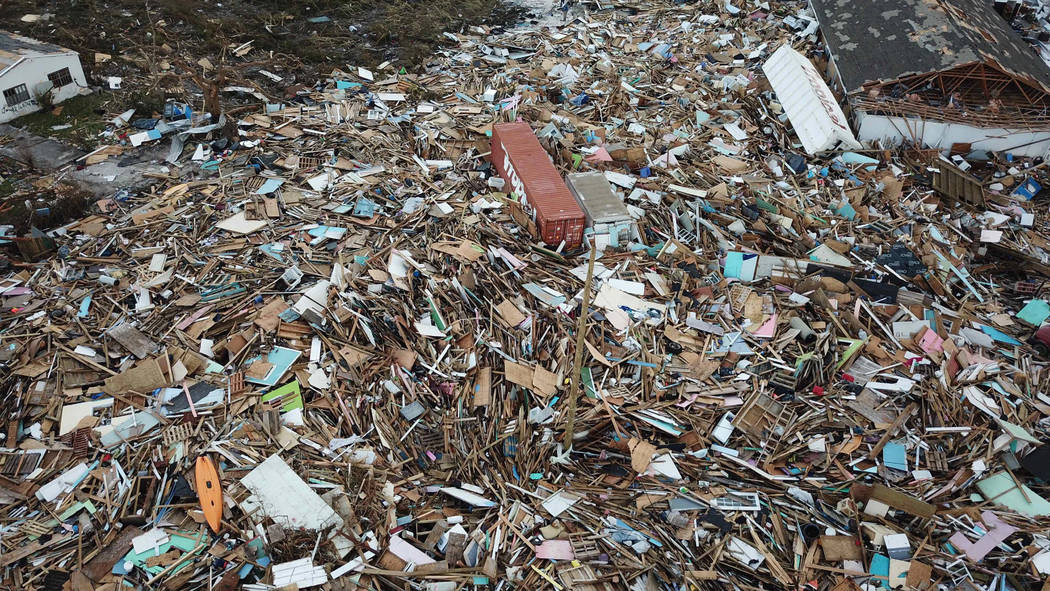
(525, 166)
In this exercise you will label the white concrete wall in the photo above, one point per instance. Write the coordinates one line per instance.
(939, 134)
(33, 73)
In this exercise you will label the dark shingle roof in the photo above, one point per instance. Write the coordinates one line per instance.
(883, 40)
(14, 47)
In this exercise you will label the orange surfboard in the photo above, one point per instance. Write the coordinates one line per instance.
(209, 491)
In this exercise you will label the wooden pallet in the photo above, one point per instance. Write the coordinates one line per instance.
(177, 432)
(81, 442)
(431, 439)
(18, 464)
(34, 528)
(308, 162)
(935, 461)
(236, 383)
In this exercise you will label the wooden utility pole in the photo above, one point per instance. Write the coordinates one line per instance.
(576, 387)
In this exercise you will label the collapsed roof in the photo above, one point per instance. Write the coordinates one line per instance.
(878, 42)
(15, 47)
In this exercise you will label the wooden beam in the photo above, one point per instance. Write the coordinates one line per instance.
(984, 84)
(891, 430)
(962, 78)
(1020, 88)
(1031, 117)
(1043, 97)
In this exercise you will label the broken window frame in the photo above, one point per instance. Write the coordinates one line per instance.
(60, 78)
(16, 95)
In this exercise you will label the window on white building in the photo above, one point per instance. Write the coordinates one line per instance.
(60, 78)
(16, 95)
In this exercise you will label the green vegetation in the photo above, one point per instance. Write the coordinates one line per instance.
(317, 34)
(84, 114)
(157, 48)
(415, 28)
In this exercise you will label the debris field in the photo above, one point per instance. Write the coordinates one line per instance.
(345, 338)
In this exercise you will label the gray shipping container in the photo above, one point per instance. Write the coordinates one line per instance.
(606, 213)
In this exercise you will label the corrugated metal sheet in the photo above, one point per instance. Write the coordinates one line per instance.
(814, 113)
(525, 166)
(596, 196)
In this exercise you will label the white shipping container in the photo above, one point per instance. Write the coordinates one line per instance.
(814, 113)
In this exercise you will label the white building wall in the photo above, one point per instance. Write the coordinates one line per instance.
(33, 73)
(893, 131)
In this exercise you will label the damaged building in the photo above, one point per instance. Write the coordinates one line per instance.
(34, 74)
(952, 76)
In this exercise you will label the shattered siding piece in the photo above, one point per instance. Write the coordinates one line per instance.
(468, 497)
(407, 552)
(1001, 490)
(996, 533)
(284, 497)
(301, 573)
(1035, 312)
